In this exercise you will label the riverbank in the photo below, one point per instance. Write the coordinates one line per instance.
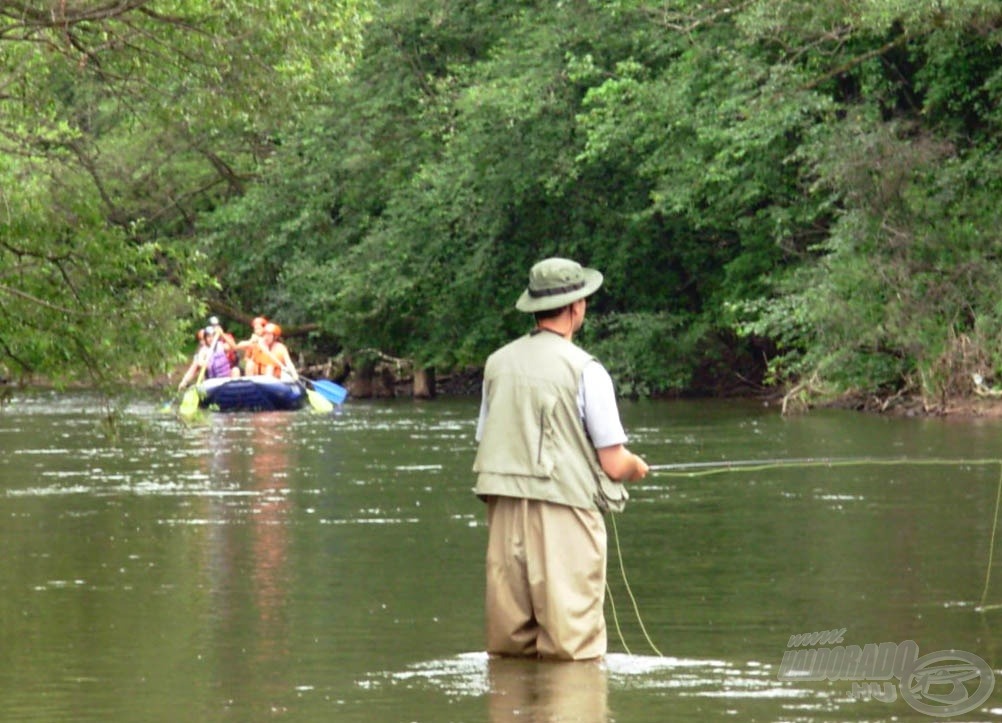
(973, 407)
(466, 382)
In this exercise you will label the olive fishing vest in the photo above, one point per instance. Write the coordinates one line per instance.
(534, 443)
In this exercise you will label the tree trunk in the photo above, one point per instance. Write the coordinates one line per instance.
(360, 384)
(424, 383)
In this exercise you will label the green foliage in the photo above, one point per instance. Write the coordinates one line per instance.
(901, 291)
(451, 172)
(815, 182)
(906, 289)
(119, 124)
(83, 303)
(765, 167)
(647, 353)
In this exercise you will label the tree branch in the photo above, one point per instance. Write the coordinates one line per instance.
(41, 302)
(858, 60)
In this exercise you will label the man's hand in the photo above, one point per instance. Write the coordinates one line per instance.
(621, 464)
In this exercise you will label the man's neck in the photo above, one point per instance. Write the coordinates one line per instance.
(561, 326)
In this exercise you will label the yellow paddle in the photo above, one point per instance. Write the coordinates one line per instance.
(318, 402)
(189, 402)
(191, 398)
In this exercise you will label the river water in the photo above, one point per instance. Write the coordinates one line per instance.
(277, 566)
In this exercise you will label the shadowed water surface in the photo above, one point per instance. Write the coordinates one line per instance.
(254, 567)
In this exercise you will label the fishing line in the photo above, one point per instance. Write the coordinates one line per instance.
(636, 608)
(705, 469)
(615, 620)
(991, 550)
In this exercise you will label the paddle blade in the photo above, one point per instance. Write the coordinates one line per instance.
(318, 403)
(334, 393)
(189, 403)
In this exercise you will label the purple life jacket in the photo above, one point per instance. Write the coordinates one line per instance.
(219, 363)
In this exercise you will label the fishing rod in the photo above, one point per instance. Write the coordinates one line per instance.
(730, 463)
(695, 469)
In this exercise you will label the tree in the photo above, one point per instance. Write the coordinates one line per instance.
(901, 294)
(808, 182)
(119, 124)
(451, 160)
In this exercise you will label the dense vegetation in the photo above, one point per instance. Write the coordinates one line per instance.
(121, 123)
(778, 191)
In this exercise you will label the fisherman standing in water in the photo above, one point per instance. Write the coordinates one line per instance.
(551, 459)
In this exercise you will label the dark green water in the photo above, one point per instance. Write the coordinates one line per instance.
(303, 568)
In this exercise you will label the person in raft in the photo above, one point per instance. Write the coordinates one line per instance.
(252, 348)
(273, 357)
(198, 361)
(221, 342)
(551, 459)
(215, 354)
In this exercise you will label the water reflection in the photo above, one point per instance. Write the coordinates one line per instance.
(270, 462)
(248, 562)
(536, 690)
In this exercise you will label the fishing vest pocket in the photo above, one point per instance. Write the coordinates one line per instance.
(518, 438)
(610, 496)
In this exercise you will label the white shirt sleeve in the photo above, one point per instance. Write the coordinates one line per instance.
(597, 404)
(482, 419)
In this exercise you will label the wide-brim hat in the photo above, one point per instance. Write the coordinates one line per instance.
(557, 282)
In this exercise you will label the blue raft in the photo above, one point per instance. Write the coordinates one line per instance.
(251, 394)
